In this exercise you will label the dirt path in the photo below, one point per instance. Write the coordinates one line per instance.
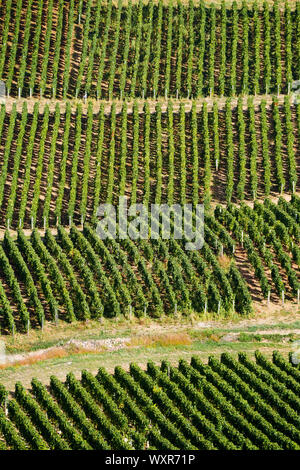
(153, 341)
(73, 345)
(218, 3)
(221, 101)
(76, 346)
(145, 331)
(28, 231)
(274, 199)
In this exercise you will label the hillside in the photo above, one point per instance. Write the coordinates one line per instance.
(223, 405)
(100, 49)
(156, 336)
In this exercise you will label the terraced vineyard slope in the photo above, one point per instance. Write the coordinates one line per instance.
(56, 167)
(226, 404)
(105, 50)
(248, 254)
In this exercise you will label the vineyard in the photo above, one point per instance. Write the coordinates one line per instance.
(166, 102)
(56, 167)
(77, 275)
(227, 404)
(103, 50)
